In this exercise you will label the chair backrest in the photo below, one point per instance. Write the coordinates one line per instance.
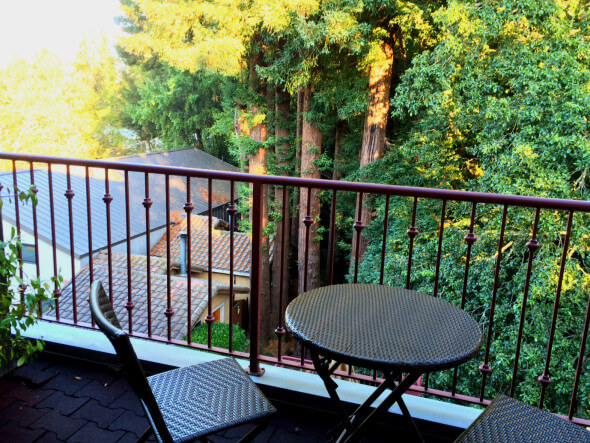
(106, 319)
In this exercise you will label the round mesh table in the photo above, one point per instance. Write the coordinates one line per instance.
(380, 327)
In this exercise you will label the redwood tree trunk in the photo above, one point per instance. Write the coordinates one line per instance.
(311, 142)
(258, 165)
(295, 207)
(281, 251)
(341, 127)
(373, 145)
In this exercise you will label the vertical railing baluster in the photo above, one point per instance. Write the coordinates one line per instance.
(440, 242)
(412, 233)
(545, 378)
(35, 231)
(255, 282)
(130, 305)
(232, 211)
(147, 203)
(21, 287)
(358, 227)
(89, 224)
(188, 208)
(69, 194)
(580, 363)
(470, 239)
(280, 331)
(168, 312)
(107, 199)
(307, 221)
(384, 243)
(210, 319)
(532, 245)
(56, 290)
(485, 368)
(332, 240)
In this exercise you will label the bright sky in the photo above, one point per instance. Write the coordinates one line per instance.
(27, 26)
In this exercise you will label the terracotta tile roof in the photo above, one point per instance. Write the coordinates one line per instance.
(178, 290)
(200, 246)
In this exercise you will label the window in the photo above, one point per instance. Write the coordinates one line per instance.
(28, 253)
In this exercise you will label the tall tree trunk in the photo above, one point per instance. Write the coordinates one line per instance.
(311, 142)
(374, 131)
(258, 165)
(281, 251)
(341, 127)
(296, 194)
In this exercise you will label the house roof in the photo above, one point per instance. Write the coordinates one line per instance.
(200, 246)
(192, 158)
(178, 291)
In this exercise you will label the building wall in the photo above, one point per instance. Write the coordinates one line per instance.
(45, 258)
(223, 278)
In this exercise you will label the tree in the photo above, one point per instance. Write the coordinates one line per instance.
(501, 104)
(45, 107)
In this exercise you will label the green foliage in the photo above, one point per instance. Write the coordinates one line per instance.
(500, 104)
(20, 300)
(220, 336)
(177, 107)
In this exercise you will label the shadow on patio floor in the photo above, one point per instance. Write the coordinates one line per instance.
(60, 399)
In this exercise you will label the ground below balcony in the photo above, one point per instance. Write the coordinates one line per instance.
(58, 398)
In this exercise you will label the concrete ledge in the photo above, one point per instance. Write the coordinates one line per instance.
(92, 344)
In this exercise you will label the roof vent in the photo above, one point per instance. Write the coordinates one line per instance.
(183, 236)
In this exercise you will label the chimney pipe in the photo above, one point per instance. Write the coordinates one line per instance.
(183, 252)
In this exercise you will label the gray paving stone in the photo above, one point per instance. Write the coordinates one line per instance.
(36, 373)
(91, 433)
(63, 403)
(23, 414)
(130, 422)
(104, 393)
(68, 384)
(28, 394)
(11, 432)
(128, 437)
(48, 437)
(64, 427)
(94, 412)
(128, 400)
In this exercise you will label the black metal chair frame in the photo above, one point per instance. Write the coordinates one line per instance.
(106, 319)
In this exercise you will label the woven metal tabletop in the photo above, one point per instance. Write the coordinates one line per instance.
(510, 421)
(383, 327)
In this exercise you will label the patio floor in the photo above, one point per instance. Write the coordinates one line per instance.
(61, 399)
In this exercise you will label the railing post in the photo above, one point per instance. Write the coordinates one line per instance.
(255, 283)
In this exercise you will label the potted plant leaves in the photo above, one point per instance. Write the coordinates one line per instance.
(20, 298)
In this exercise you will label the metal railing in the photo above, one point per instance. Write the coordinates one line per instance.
(511, 223)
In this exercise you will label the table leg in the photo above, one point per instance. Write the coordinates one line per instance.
(395, 395)
(322, 367)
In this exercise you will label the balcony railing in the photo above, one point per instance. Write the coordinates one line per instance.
(518, 264)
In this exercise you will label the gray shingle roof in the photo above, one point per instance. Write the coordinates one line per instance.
(192, 158)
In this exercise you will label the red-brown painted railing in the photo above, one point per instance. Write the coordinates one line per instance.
(363, 192)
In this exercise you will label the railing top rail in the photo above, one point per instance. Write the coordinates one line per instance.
(371, 188)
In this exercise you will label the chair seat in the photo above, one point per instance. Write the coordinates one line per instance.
(508, 420)
(203, 399)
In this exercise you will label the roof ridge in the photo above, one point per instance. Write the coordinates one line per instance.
(145, 154)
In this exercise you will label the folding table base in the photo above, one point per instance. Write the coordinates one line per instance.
(325, 367)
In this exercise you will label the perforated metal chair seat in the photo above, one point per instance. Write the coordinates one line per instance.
(204, 399)
(509, 421)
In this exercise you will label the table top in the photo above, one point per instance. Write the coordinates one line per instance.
(382, 327)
